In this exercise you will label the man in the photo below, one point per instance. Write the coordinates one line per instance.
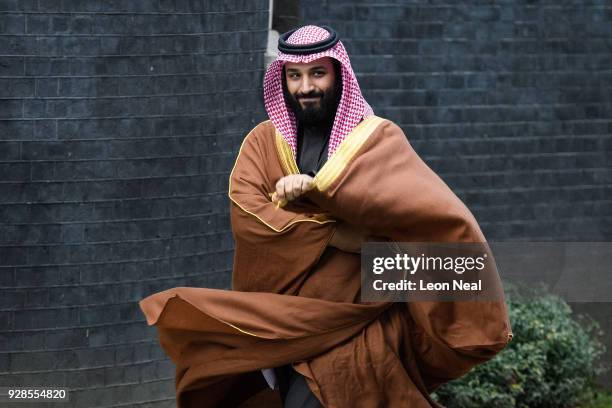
(309, 185)
(312, 91)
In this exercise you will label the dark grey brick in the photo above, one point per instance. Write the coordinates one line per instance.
(46, 87)
(12, 23)
(45, 318)
(38, 23)
(39, 66)
(11, 108)
(18, 87)
(44, 129)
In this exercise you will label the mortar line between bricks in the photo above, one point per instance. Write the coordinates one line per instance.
(470, 72)
(473, 39)
(255, 51)
(489, 89)
(144, 342)
(532, 38)
(178, 74)
(483, 139)
(488, 72)
(516, 172)
(116, 220)
(116, 159)
(124, 241)
(123, 261)
(100, 326)
(71, 370)
(110, 283)
(142, 178)
(127, 139)
(551, 5)
(148, 96)
(553, 219)
(509, 190)
(51, 331)
(78, 307)
(443, 36)
(110, 201)
(123, 384)
(521, 155)
(500, 122)
(192, 115)
(516, 54)
(97, 284)
(85, 118)
(121, 199)
(136, 342)
(122, 35)
(77, 13)
(86, 306)
(547, 205)
(398, 53)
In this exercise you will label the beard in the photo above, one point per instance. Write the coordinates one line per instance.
(313, 113)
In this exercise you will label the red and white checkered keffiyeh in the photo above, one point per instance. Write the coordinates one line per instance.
(351, 109)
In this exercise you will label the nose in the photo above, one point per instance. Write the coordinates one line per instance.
(306, 85)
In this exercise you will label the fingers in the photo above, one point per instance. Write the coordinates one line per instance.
(280, 189)
(302, 184)
(289, 189)
(292, 187)
(279, 203)
(306, 184)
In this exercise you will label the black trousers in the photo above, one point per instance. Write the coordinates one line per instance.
(294, 389)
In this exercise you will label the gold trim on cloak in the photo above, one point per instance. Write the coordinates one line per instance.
(339, 160)
(316, 218)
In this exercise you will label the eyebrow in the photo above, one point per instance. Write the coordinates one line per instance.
(311, 69)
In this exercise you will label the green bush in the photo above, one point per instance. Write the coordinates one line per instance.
(551, 362)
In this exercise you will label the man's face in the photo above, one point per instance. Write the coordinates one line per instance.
(312, 90)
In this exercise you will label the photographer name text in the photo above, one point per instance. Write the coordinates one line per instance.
(421, 285)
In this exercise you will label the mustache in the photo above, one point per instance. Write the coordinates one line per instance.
(309, 95)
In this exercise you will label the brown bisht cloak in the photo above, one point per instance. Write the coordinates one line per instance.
(295, 299)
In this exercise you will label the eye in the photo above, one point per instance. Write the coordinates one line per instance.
(293, 75)
(319, 74)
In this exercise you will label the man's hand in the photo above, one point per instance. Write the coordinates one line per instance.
(292, 187)
(348, 238)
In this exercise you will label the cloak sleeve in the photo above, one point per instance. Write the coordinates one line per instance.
(387, 188)
(275, 247)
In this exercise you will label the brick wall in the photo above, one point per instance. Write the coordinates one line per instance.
(119, 123)
(510, 102)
